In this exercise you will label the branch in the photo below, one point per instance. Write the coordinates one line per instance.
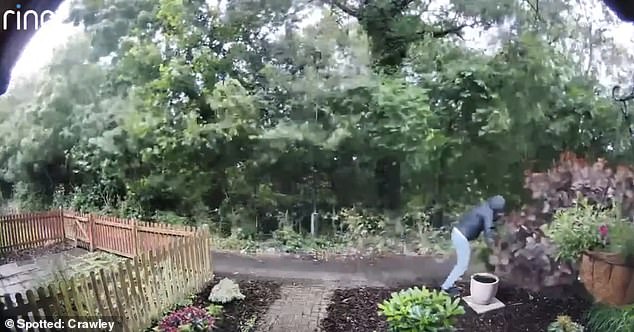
(535, 8)
(345, 8)
(405, 3)
(455, 30)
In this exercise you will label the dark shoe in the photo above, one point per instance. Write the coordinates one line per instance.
(453, 291)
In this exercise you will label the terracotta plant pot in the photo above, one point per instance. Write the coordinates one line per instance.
(484, 287)
(608, 277)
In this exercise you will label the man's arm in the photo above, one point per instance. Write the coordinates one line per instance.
(489, 229)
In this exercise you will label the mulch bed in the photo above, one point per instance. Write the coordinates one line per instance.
(259, 295)
(355, 310)
(30, 254)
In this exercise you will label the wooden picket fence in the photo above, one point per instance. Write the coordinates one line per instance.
(124, 237)
(30, 230)
(135, 292)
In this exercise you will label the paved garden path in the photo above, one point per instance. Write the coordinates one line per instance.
(300, 308)
(308, 284)
(385, 271)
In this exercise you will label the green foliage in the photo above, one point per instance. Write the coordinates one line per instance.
(578, 229)
(170, 218)
(196, 112)
(620, 236)
(564, 324)
(290, 240)
(575, 230)
(603, 318)
(235, 241)
(483, 254)
(359, 224)
(215, 310)
(420, 310)
(30, 197)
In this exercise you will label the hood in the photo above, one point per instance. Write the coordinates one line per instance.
(496, 203)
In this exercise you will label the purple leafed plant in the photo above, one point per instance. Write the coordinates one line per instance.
(524, 253)
(195, 318)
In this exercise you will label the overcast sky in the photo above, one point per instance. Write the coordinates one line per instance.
(55, 33)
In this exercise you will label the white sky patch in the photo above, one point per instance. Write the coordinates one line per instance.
(39, 51)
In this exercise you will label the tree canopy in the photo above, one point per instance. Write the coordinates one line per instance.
(188, 109)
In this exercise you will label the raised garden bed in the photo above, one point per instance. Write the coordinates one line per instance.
(355, 310)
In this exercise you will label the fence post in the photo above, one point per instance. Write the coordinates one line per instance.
(91, 230)
(61, 220)
(135, 238)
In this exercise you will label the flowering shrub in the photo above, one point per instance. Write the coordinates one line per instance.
(190, 318)
(582, 228)
(603, 233)
(579, 229)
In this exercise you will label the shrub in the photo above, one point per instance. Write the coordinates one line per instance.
(362, 223)
(564, 324)
(420, 310)
(190, 318)
(288, 239)
(584, 227)
(576, 230)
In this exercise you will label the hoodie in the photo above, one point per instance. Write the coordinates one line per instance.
(481, 219)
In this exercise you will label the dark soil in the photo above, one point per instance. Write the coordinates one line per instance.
(355, 310)
(30, 254)
(259, 295)
(484, 279)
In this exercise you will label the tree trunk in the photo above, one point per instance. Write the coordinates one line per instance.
(388, 177)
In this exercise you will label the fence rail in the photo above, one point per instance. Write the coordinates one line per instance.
(135, 292)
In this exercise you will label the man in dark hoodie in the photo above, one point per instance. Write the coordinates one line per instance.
(480, 219)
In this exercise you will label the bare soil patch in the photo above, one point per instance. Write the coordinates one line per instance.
(355, 310)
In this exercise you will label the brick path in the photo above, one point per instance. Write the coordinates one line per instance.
(300, 308)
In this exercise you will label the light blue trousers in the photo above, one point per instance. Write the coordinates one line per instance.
(463, 253)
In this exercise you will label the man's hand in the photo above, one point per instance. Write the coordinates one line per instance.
(490, 242)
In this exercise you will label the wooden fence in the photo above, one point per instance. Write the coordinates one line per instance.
(124, 237)
(136, 292)
(30, 230)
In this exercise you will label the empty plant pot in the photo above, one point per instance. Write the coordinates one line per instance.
(484, 287)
